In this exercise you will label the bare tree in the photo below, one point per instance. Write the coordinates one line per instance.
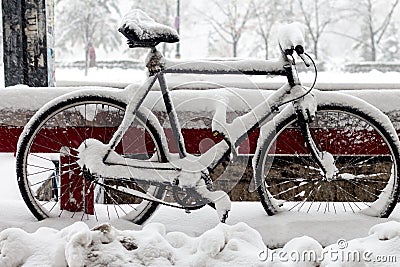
(88, 22)
(269, 13)
(233, 21)
(318, 15)
(374, 18)
(390, 46)
(163, 11)
(374, 30)
(266, 17)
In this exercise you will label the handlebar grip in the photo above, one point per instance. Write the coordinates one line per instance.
(299, 49)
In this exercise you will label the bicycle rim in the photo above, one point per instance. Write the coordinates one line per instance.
(364, 154)
(62, 191)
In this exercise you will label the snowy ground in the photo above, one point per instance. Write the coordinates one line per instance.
(174, 237)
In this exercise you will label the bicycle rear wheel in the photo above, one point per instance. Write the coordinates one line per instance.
(365, 154)
(52, 183)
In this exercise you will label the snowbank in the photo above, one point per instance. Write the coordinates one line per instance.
(104, 245)
(223, 245)
(380, 248)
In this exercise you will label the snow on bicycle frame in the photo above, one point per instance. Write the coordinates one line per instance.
(188, 171)
(142, 31)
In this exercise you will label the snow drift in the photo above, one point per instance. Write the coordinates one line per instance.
(104, 245)
(224, 245)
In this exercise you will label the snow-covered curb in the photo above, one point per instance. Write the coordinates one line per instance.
(223, 245)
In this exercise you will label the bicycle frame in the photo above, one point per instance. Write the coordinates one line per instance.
(234, 133)
(93, 166)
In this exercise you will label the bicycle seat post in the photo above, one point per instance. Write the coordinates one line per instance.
(155, 64)
(154, 61)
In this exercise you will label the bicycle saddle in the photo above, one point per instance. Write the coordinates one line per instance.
(142, 31)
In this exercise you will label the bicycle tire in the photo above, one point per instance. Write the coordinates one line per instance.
(372, 169)
(64, 125)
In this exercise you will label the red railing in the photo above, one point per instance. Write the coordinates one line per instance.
(77, 193)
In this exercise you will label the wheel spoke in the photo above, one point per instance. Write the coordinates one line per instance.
(353, 139)
(68, 125)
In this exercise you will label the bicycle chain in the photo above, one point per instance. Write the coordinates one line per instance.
(152, 199)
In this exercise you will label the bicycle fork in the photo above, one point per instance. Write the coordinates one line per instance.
(324, 159)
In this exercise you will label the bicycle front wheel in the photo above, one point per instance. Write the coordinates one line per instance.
(365, 155)
(50, 180)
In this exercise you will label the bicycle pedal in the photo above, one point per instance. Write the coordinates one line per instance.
(225, 216)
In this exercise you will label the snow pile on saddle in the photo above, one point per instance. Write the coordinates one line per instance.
(77, 245)
(145, 28)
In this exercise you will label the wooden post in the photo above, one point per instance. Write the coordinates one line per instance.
(25, 42)
(76, 193)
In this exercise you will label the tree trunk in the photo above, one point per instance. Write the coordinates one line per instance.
(372, 56)
(371, 32)
(86, 60)
(266, 48)
(234, 46)
(316, 49)
(373, 49)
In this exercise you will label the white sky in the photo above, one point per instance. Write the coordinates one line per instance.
(194, 39)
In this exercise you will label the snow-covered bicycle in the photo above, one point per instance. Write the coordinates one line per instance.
(320, 152)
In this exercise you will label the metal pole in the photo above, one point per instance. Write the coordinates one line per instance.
(177, 26)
